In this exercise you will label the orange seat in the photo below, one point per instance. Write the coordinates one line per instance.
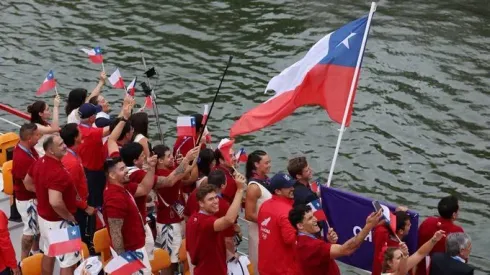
(102, 243)
(161, 260)
(85, 252)
(8, 181)
(32, 265)
(183, 257)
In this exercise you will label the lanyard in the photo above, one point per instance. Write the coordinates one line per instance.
(307, 234)
(27, 151)
(85, 125)
(72, 152)
(134, 203)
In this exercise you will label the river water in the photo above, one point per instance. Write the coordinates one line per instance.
(421, 124)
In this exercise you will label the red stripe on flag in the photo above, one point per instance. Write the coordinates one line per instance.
(57, 249)
(46, 86)
(129, 268)
(97, 59)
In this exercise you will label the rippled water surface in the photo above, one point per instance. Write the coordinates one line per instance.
(421, 127)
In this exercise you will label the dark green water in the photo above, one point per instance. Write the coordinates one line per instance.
(421, 127)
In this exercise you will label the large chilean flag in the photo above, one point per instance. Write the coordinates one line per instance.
(323, 77)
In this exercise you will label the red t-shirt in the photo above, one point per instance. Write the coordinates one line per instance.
(230, 189)
(119, 204)
(314, 256)
(381, 237)
(426, 231)
(7, 253)
(137, 175)
(91, 150)
(49, 173)
(184, 145)
(74, 166)
(171, 195)
(21, 163)
(205, 246)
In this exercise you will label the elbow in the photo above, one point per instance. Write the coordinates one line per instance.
(229, 221)
(250, 217)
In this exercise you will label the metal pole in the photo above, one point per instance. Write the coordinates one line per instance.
(154, 101)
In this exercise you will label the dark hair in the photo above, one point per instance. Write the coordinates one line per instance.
(34, 109)
(217, 178)
(125, 130)
(448, 206)
(203, 190)
(254, 157)
(401, 219)
(110, 163)
(218, 156)
(131, 152)
(94, 100)
(206, 157)
(297, 214)
(139, 121)
(296, 166)
(198, 119)
(48, 142)
(69, 134)
(388, 257)
(27, 130)
(160, 150)
(76, 98)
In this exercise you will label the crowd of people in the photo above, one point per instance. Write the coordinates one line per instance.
(157, 196)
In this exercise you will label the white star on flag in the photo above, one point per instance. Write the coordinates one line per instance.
(74, 232)
(346, 40)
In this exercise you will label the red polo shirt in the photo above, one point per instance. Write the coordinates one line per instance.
(314, 256)
(192, 207)
(21, 162)
(381, 237)
(426, 231)
(230, 189)
(170, 195)
(73, 164)
(205, 246)
(137, 175)
(119, 204)
(49, 173)
(91, 150)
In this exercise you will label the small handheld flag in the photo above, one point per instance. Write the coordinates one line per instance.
(126, 263)
(390, 218)
(64, 240)
(95, 55)
(241, 156)
(205, 114)
(116, 80)
(224, 147)
(186, 126)
(316, 207)
(48, 84)
(132, 87)
(148, 102)
(99, 221)
(315, 186)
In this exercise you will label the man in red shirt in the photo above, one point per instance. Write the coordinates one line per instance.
(228, 169)
(383, 236)
(124, 221)
(8, 262)
(277, 236)
(204, 240)
(57, 196)
(72, 138)
(448, 209)
(24, 156)
(316, 256)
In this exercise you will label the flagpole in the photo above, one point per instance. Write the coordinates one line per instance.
(103, 69)
(154, 100)
(56, 90)
(351, 92)
(214, 100)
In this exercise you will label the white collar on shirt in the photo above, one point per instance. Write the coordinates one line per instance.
(459, 259)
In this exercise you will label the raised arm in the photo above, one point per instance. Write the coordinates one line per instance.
(180, 172)
(231, 215)
(424, 250)
(96, 91)
(116, 132)
(251, 198)
(54, 126)
(145, 186)
(337, 251)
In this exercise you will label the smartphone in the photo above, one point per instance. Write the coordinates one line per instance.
(377, 206)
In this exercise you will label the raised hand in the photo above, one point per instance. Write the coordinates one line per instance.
(152, 161)
(332, 236)
(438, 236)
(373, 219)
(102, 77)
(56, 101)
(404, 249)
(193, 153)
(240, 180)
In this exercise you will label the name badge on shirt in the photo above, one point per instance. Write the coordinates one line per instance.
(178, 208)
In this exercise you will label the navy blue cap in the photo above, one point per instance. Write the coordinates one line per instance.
(281, 180)
(88, 109)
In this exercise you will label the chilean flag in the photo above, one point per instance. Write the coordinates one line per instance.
(315, 186)
(116, 80)
(148, 102)
(48, 84)
(241, 156)
(186, 126)
(64, 240)
(316, 207)
(95, 55)
(205, 114)
(390, 218)
(322, 77)
(131, 87)
(224, 147)
(126, 263)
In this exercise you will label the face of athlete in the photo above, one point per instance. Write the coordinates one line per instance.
(46, 114)
(306, 174)
(104, 104)
(264, 165)
(34, 138)
(395, 262)
(285, 192)
(119, 173)
(232, 158)
(140, 160)
(58, 148)
(210, 203)
(309, 224)
(167, 161)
